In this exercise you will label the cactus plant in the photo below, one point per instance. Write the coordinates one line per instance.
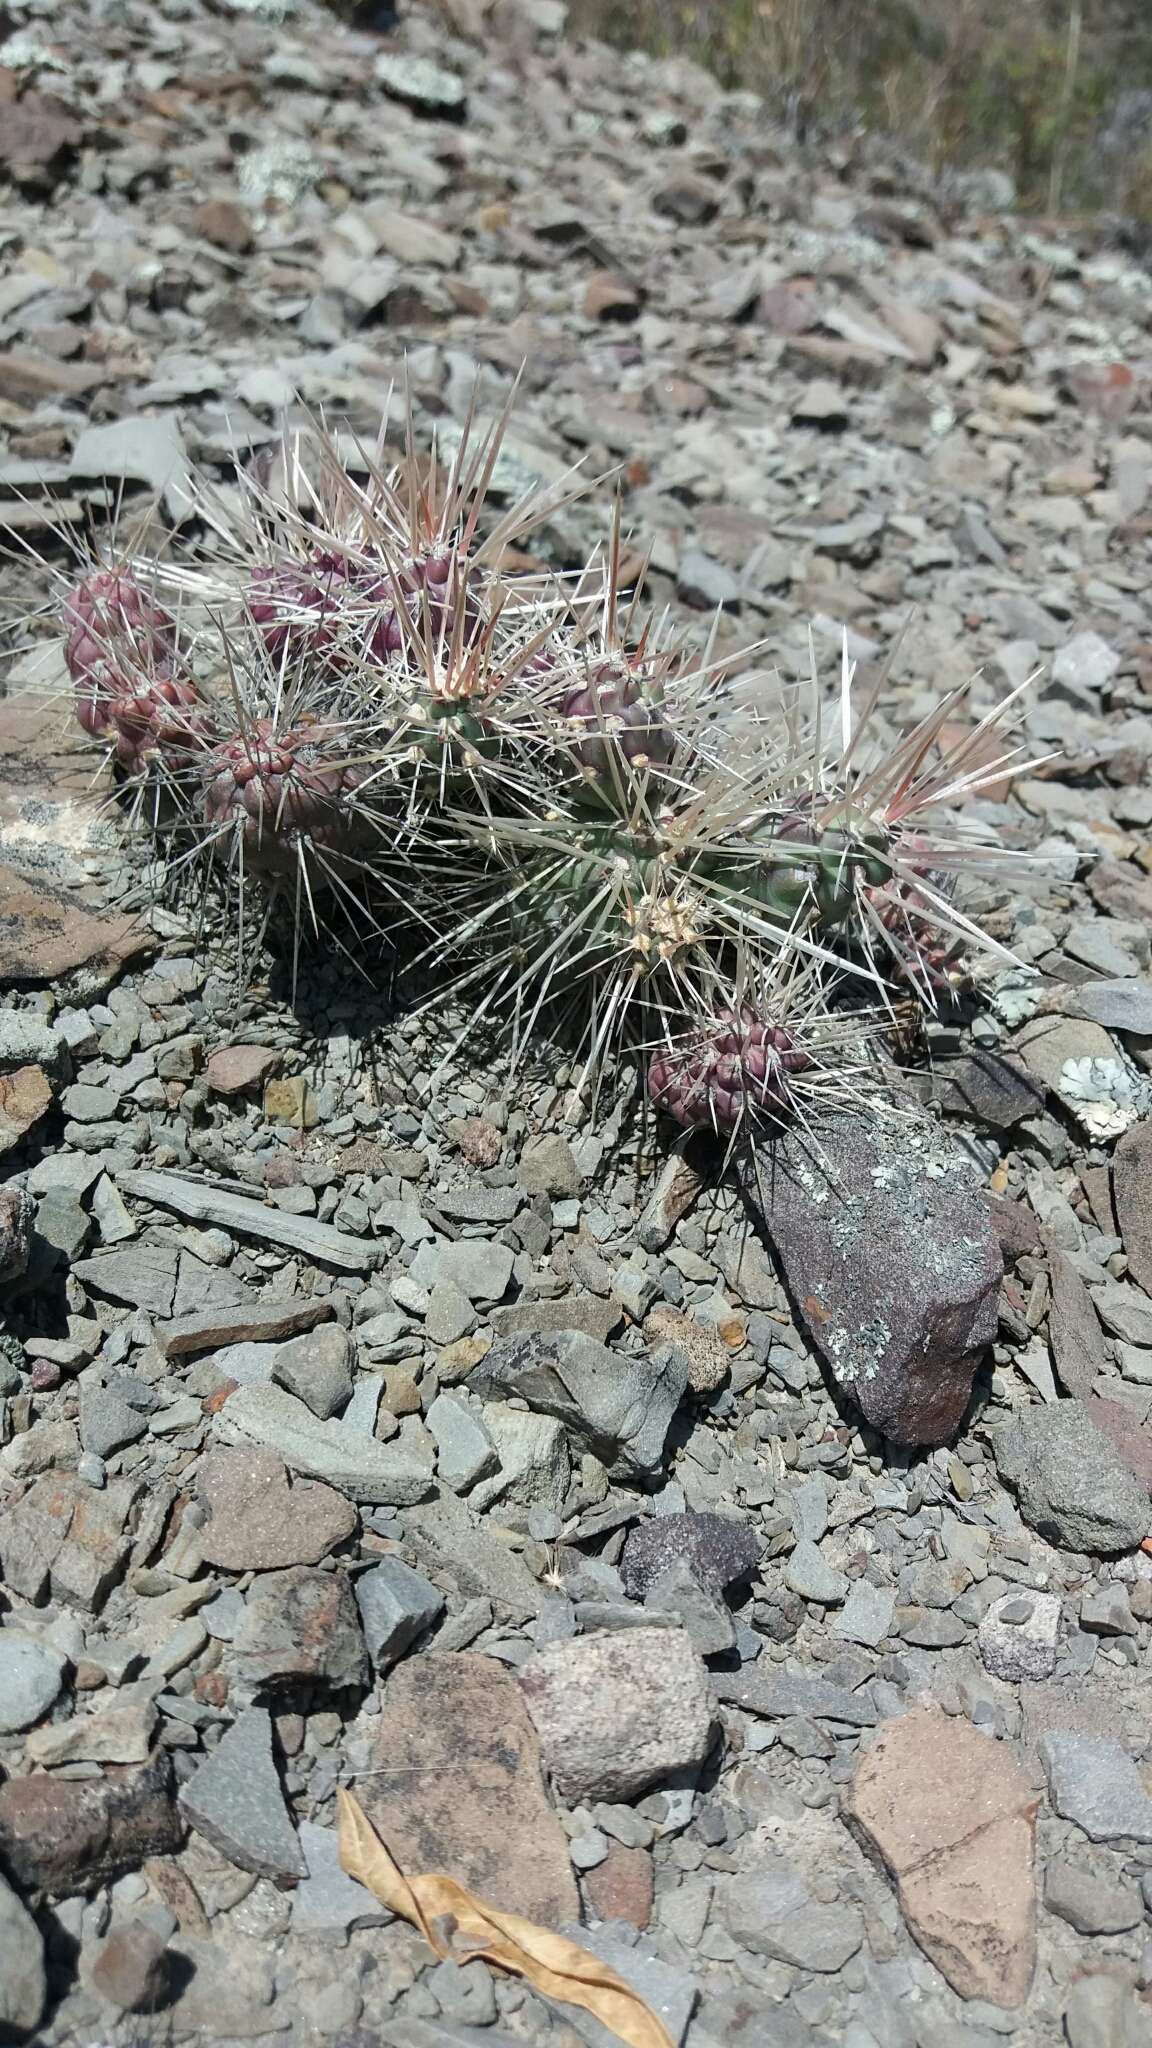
(566, 799)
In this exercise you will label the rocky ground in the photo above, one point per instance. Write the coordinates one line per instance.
(367, 1423)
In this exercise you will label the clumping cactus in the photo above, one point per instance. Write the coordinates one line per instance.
(738, 1068)
(364, 707)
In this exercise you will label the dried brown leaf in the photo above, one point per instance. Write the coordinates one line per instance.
(553, 1965)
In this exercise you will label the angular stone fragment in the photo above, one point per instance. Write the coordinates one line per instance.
(459, 1788)
(718, 1550)
(1132, 1193)
(352, 1462)
(31, 1675)
(299, 1626)
(396, 1606)
(145, 1277)
(952, 1815)
(1093, 1782)
(23, 1985)
(130, 1970)
(233, 1069)
(617, 1712)
(890, 1255)
(260, 1519)
(25, 1097)
(204, 1203)
(234, 1799)
(317, 1368)
(119, 1732)
(678, 1186)
(1021, 1644)
(465, 1450)
(63, 1834)
(45, 935)
(252, 1320)
(327, 1901)
(771, 1912)
(15, 1245)
(619, 1405)
(1072, 1487)
(1078, 1350)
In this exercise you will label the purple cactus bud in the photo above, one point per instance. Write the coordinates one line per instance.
(736, 1068)
(117, 635)
(615, 722)
(279, 788)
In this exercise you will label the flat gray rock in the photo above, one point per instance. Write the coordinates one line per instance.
(478, 1270)
(670, 1992)
(1071, 1485)
(317, 1368)
(351, 1462)
(889, 1252)
(1093, 1782)
(207, 1204)
(397, 1605)
(148, 449)
(235, 1801)
(770, 1911)
(1124, 1005)
(618, 1405)
(23, 1985)
(327, 1900)
(31, 1675)
(465, 1450)
(778, 1695)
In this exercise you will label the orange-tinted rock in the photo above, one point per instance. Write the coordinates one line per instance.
(952, 1814)
(235, 1068)
(620, 1888)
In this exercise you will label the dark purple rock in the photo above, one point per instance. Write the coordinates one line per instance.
(1015, 1226)
(717, 1551)
(886, 1244)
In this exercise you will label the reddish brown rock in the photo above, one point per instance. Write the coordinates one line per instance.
(37, 133)
(25, 1096)
(460, 1789)
(63, 1834)
(223, 223)
(952, 1815)
(44, 935)
(608, 296)
(620, 1888)
(479, 1141)
(252, 1321)
(299, 1626)
(261, 1519)
(130, 1972)
(236, 1068)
